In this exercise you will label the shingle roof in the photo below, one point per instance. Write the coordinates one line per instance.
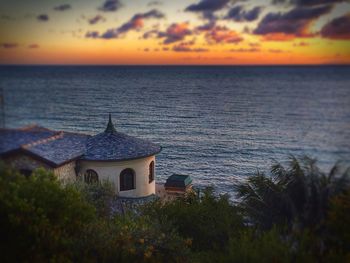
(11, 139)
(69, 146)
(57, 147)
(116, 146)
(53, 147)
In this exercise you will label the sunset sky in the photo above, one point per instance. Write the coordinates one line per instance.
(175, 32)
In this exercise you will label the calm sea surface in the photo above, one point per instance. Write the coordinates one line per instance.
(218, 124)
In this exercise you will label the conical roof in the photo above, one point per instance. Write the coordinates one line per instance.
(111, 145)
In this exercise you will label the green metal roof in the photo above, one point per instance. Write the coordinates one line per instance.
(178, 180)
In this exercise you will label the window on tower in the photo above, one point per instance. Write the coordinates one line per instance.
(90, 176)
(151, 172)
(127, 179)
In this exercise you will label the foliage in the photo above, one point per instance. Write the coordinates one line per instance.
(208, 221)
(296, 214)
(40, 219)
(252, 247)
(132, 239)
(100, 195)
(338, 225)
(297, 195)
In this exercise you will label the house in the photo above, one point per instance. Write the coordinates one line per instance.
(126, 161)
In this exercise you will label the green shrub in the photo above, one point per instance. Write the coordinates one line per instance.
(208, 221)
(40, 219)
(100, 195)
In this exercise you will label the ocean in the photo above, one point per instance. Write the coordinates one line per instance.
(218, 124)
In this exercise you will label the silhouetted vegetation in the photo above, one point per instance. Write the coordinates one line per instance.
(294, 214)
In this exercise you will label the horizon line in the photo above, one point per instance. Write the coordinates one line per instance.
(175, 65)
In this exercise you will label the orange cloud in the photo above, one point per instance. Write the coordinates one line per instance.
(278, 37)
(220, 34)
(175, 32)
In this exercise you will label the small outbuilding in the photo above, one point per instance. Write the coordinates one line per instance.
(178, 183)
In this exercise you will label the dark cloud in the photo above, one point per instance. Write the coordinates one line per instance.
(135, 23)
(207, 26)
(293, 23)
(180, 48)
(111, 6)
(222, 34)
(92, 34)
(218, 34)
(43, 18)
(338, 28)
(175, 32)
(63, 7)
(207, 5)
(33, 46)
(150, 34)
(207, 8)
(94, 20)
(307, 2)
(187, 47)
(239, 14)
(8, 45)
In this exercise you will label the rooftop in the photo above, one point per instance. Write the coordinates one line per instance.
(58, 147)
(178, 180)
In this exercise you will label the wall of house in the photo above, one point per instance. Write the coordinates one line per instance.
(66, 172)
(111, 171)
(22, 161)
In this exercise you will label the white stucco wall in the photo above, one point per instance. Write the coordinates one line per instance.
(111, 171)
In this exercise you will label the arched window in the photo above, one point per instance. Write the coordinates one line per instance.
(151, 172)
(90, 176)
(127, 179)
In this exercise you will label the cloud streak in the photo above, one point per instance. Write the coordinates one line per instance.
(308, 3)
(135, 23)
(238, 14)
(295, 23)
(111, 6)
(63, 7)
(96, 19)
(8, 45)
(175, 32)
(207, 6)
(43, 18)
(222, 35)
(92, 34)
(246, 50)
(338, 28)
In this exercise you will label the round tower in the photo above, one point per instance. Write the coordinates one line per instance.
(126, 161)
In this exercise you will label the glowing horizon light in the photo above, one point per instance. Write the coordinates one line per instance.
(196, 32)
